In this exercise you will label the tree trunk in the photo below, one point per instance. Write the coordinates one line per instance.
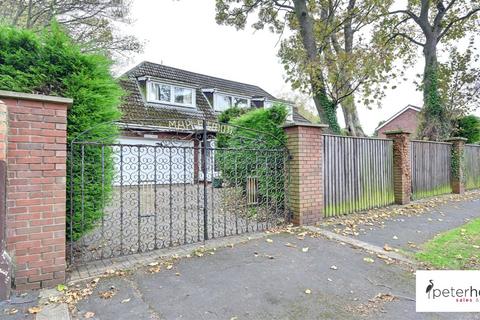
(434, 123)
(350, 114)
(326, 109)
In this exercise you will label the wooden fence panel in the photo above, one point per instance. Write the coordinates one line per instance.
(358, 174)
(472, 166)
(430, 165)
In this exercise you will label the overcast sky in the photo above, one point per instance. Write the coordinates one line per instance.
(184, 34)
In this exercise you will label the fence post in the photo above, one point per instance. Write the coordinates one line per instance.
(456, 164)
(304, 143)
(402, 176)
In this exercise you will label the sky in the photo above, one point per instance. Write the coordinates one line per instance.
(184, 34)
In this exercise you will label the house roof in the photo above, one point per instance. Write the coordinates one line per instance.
(134, 105)
(408, 107)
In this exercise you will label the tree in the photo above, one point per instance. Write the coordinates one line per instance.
(459, 82)
(275, 14)
(469, 127)
(93, 24)
(427, 24)
(328, 53)
(48, 63)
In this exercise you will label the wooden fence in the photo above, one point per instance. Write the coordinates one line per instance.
(472, 166)
(430, 164)
(358, 174)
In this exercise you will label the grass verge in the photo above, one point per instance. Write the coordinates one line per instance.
(458, 248)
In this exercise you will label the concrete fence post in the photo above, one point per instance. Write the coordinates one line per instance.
(304, 143)
(35, 215)
(402, 176)
(457, 175)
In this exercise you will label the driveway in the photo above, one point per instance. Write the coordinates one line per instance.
(265, 279)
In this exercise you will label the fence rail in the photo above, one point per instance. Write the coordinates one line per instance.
(358, 174)
(472, 166)
(431, 168)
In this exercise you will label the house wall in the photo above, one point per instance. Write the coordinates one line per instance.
(406, 121)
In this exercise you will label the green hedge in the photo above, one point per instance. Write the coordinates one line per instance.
(51, 64)
(256, 148)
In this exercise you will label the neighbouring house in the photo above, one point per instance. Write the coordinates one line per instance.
(406, 119)
(165, 105)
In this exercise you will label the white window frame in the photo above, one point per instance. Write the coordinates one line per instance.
(231, 96)
(150, 83)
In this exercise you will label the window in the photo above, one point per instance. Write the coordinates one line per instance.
(223, 102)
(161, 92)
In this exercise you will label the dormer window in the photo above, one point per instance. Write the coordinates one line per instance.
(222, 102)
(172, 94)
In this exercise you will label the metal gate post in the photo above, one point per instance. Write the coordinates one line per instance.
(204, 169)
(5, 260)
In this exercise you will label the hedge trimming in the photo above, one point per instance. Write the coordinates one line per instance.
(49, 63)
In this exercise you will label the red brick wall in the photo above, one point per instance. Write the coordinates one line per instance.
(306, 187)
(36, 166)
(406, 121)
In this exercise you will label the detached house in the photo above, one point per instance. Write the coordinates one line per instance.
(157, 95)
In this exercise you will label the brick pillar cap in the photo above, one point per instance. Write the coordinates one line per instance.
(456, 139)
(399, 131)
(304, 124)
(35, 97)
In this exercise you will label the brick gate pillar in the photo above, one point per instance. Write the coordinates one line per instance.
(304, 143)
(457, 175)
(36, 188)
(402, 175)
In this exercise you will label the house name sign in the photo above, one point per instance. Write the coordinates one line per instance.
(196, 124)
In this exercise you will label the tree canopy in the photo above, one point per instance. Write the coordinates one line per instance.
(327, 52)
(93, 24)
(427, 24)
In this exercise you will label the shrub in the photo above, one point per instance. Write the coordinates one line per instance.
(256, 149)
(51, 64)
(469, 127)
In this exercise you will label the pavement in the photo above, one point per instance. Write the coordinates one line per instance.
(409, 232)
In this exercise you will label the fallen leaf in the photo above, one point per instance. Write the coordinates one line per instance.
(153, 264)
(61, 287)
(305, 249)
(34, 310)
(386, 247)
(368, 259)
(11, 311)
(269, 240)
(169, 267)
(107, 294)
(89, 315)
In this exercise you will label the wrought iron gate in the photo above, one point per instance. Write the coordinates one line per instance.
(172, 182)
